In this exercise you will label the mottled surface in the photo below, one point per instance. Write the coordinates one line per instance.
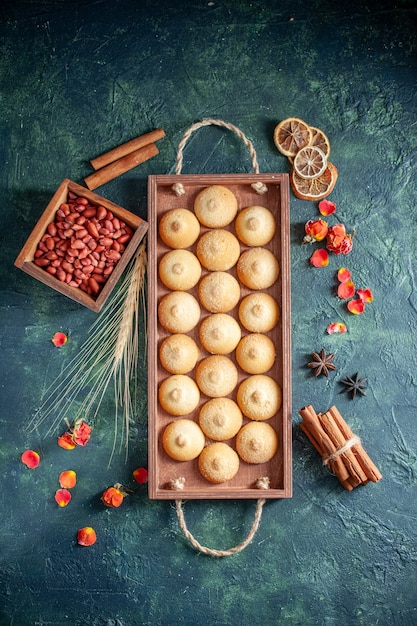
(78, 78)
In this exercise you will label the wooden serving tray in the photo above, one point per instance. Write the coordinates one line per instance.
(162, 469)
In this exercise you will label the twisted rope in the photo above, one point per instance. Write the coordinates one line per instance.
(178, 188)
(179, 483)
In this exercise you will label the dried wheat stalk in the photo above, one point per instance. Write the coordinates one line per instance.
(110, 354)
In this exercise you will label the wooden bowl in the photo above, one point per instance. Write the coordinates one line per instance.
(25, 259)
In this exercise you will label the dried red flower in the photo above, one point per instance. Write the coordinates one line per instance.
(319, 258)
(316, 230)
(113, 497)
(59, 339)
(326, 207)
(77, 435)
(81, 433)
(356, 306)
(68, 479)
(62, 497)
(86, 536)
(141, 475)
(338, 241)
(30, 458)
(65, 441)
(336, 327)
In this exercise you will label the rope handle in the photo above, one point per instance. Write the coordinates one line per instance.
(261, 483)
(178, 188)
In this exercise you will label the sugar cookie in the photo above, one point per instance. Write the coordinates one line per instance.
(179, 228)
(216, 376)
(219, 292)
(179, 353)
(218, 462)
(215, 206)
(179, 270)
(255, 226)
(257, 268)
(178, 394)
(255, 353)
(183, 440)
(218, 250)
(219, 333)
(259, 397)
(256, 442)
(259, 312)
(220, 418)
(179, 312)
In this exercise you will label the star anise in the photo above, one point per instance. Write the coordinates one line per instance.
(353, 385)
(321, 363)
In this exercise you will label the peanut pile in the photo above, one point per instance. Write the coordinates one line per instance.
(83, 244)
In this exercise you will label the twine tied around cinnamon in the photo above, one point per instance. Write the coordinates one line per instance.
(347, 446)
(178, 188)
(178, 484)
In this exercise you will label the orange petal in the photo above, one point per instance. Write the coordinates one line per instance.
(356, 306)
(319, 258)
(365, 295)
(59, 339)
(346, 290)
(141, 475)
(326, 207)
(68, 479)
(65, 441)
(86, 536)
(112, 497)
(62, 497)
(30, 458)
(336, 327)
(343, 274)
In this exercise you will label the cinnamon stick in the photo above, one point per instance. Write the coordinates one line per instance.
(339, 440)
(372, 472)
(122, 165)
(126, 148)
(315, 433)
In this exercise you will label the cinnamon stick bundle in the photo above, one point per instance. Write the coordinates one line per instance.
(339, 447)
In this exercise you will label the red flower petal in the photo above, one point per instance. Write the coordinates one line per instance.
(141, 475)
(59, 339)
(319, 258)
(365, 295)
(356, 306)
(30, 458)
(62, 497)
(65, 441)
(112, 497)
(346, 290)
(316, 229)
(343, 274)
(81, 433)
(336, 327)
(86, 536)
(68, 479)
(326, 207)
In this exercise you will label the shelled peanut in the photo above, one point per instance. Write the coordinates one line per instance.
(83, 244)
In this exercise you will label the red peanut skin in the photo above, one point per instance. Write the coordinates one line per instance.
(82, 245)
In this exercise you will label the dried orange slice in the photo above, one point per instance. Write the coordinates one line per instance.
(320, 140)
(314, 188)
(291, 135)
(310, 162)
